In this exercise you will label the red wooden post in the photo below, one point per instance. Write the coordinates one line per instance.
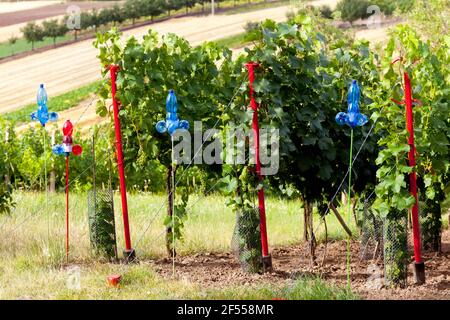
(419, 270)
(129, 253)
(67, 208)
(267, 259)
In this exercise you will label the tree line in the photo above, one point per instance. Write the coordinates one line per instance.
(131, 10)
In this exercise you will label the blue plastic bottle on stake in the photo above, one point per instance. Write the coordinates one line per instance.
(172, 122)
(42, 97)
(42, 114)
(353, 116)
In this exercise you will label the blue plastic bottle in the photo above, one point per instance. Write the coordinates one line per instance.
(42, 97)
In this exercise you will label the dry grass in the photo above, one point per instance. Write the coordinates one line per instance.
(33, 256)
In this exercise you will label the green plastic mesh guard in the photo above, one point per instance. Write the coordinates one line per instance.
(371, 244)
(246, 242)
(101, 223)
(395, 237)
(430, 224)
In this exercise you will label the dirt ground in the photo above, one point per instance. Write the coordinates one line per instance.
(69, 67)
(12, 21)
(222, 270)
(22, 5)
(47, 11)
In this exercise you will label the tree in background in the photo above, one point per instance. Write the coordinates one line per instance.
(33, 33)
(387, 7)
(171, 5)
(430, 19)
(104, 17)
(152, 8)
(86, 20)
(12, 41)
(95, 20)
(326, 12)
(189, 4)
(352, 10)
(53, 29)
(133, 10)
(117, 14)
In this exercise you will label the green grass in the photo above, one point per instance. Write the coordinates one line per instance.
(140, 281)
(33, 259)
(58, 103)
(258, 6)
(446, 208)
(208, 228)
(22, 45)
(233, 42)
(72, 98)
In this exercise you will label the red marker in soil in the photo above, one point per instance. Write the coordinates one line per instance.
(114, 280)
(128, 253)
(419, 265)
(66, 149)
(267, 259)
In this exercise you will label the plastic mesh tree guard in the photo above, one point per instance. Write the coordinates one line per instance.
(395, 238)
(246, 241)
(430, 223)
(371, 244)
(101, 223)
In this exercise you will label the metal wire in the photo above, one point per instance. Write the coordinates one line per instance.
(14, 228)
(85, 110)
(345, 177)
(155, 215)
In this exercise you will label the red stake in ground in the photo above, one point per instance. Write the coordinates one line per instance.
(419, 266)
(66, 149)
(67, 208)
(267, 259)
(128, 253)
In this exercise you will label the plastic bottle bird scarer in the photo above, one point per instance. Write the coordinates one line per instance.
(353, 117)
(67, 147)
(42, 115)
(172, 123)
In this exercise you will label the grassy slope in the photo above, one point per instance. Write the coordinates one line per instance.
(233, 42)
(32, 247)
(72, 98)
(141, 282)
(22, 45)
(62, 102)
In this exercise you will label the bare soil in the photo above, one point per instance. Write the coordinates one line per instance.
(52, 10)
(223, 270)
(8, 6)
(72, 66)
(69, 67)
